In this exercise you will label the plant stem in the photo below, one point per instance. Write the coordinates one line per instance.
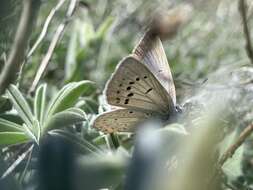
(231, 150)
(17, 54)
(57, 36)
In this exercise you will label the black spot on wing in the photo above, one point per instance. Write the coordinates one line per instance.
(149, 90)
(126, 101)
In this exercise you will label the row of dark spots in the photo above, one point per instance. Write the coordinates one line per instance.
(132, 82)
(147, 114)
(126, 100)
(128, 89)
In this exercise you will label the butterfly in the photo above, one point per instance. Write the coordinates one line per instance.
(141, 87)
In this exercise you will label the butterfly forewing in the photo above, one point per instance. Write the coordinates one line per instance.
(121, 120)
(134, 86)
(143, 85)
(150, 52)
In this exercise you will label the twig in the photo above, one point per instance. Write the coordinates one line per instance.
(45, 27)
(231, 150)
(16, 57)
(56, 37)
(243, 12)
(48, 56)
(41, 36)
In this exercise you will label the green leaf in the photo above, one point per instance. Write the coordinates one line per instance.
(8, 126)
(37, 130)
(12, 117)
(33, 135)
(40, 103)
(88, 105)
(233, 166)
(68, 96)
(82, 145)
(11, 138)
(21, 105)
(65, 118)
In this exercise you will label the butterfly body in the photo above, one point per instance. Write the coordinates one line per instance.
(141, 88)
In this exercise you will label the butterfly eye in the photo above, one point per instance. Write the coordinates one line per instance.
(137, 79)
(129, 88)
(118, 100)
(130, 111)
(130, 95)
(131, 82)
(118, 92)
(145, 77)
(120, 85)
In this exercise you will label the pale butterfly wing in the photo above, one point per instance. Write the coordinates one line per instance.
(121, 120)
(150, 52)
(134, 86)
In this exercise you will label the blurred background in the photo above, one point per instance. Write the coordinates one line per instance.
(46, 135)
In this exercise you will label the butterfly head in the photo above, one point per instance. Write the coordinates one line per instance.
(178, 109)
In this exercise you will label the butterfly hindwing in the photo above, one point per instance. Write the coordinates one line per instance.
(151, 53)
(121, 120)
(134, 86)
